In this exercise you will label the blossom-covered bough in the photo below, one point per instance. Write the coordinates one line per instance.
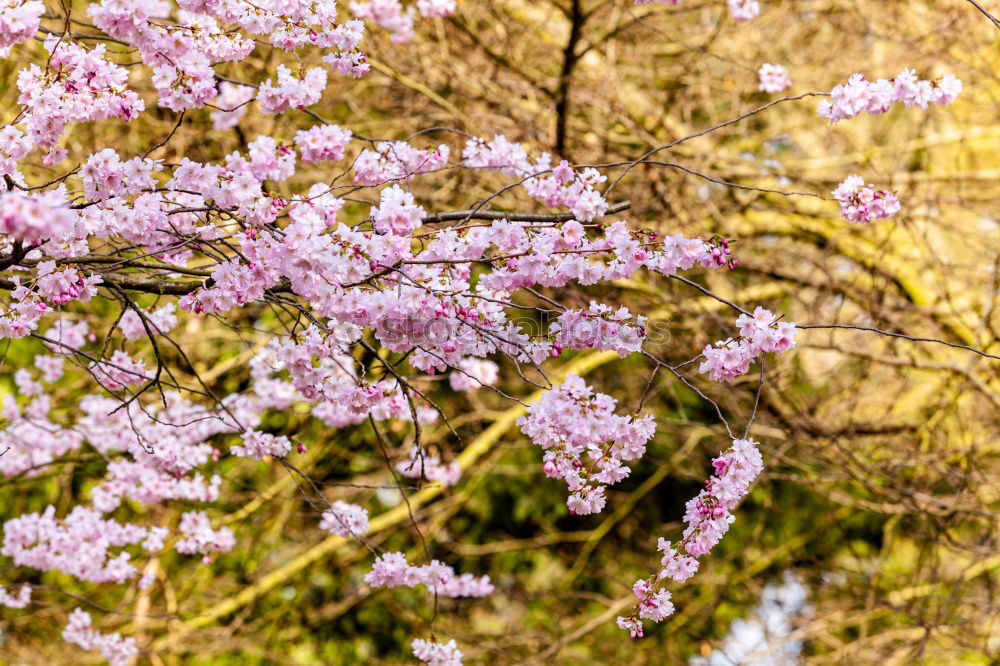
(371, 304)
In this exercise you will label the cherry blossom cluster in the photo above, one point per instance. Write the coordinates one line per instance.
(165, 447)
(286, 25)
(397, 212)
(744, 10)
(119, 371)
(391, 15)
(188, 87)
(349, 63)
(437, 654)
(19, 600)
(654, 605)
(421, 465)
(33, 219)
(760, 333)
(345, 519)
(473, 373)
(232, 101)
(147, 483)
(19, 21)
(397, 161)
(861, 203)
(444, 323)
(773, 78)
(322, 143)
(585, 442)
(315, 262)
(859, 95)
(105, 175)
(165, 444)
(30, 438)
(262, 445)
(198, 536)
(134, 325)
(436, 8)
(59, 287)
(291, 92)
(118, 651)
(709, 515)
(393, 570)
(76, 86)
(50, 366)
(707, 518)
(323, 374)
(572, 189)
(238, 182)
(182, 53)
(79, 545)
(599, 327)
(560, 187)
(555, 256)
(14, 145)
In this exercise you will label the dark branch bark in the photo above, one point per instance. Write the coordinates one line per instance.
(514, 217)
(570, 58)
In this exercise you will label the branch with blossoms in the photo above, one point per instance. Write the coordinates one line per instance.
(355, 295)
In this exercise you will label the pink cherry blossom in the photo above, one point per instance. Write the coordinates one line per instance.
(14, 145)
(437, 654)
(77, 86)
(759, 334)
(133, 326)
(105, 175)
(392, 161)
(19, 600)
(436, 8)
(393, 570)
(198, 536)
(345, 519)
(397, 212)
(862, 203)
(744, 10)
(387, 14)
(600, 327)
(585, 442)
(322, 143)
(773, 78)
(859, 95)
(261, 445)
(707, 518)
(472, 373)
(291, 92)
(118, 651)
(79, 546)
(232, 102)
(35, 218)
(19, 21)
